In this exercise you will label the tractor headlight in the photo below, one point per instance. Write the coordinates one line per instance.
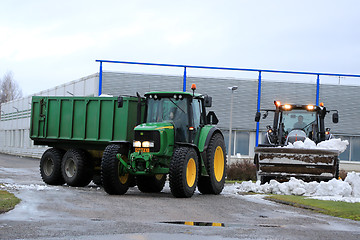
(147, 144)
(137, 144)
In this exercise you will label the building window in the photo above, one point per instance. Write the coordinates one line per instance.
(239, 142)
(345, 156)
(355, 149)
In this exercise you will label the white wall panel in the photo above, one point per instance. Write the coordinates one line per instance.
(15, 116)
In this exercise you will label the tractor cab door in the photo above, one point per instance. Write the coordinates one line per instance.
(197, 120)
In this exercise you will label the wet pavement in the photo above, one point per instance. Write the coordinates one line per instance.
(62, 212)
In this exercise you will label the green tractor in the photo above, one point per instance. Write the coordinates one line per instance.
(174, 137)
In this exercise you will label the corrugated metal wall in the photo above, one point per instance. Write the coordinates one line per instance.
(345, 99)
(15, 116)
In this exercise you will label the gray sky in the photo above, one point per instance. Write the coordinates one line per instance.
(47, 43)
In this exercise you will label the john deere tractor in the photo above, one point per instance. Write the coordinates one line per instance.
(174, 137)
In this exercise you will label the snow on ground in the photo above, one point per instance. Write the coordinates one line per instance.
(36, 187)
(333, 144)
(334, 190)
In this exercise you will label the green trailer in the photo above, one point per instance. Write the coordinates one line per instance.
(78, 129)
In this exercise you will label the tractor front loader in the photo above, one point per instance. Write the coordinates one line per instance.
(276, 159)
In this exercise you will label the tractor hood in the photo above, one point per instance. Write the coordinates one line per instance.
(154, 126)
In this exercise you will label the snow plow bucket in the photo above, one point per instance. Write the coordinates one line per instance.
(306, 164)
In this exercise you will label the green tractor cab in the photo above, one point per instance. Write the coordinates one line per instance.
(174, 136)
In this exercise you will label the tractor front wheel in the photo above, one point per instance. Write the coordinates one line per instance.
(183, 172)
(114, 177)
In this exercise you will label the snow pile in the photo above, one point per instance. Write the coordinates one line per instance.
(334, 144)
(28, 187)
(336, 190)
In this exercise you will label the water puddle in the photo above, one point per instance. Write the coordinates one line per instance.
(202, 224)
(215, 224)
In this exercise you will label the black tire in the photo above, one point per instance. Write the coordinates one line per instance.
(215, 163)
(114, 178)
(183, 172)
(50, 166)
(77, 168)
(151, 184)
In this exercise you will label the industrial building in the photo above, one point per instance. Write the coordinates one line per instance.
(15, 115)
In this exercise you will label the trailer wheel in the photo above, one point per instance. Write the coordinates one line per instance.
(77, 168)
(151, 184)
(114, 178)
(184, 171)
(50, 166)
(215, 166)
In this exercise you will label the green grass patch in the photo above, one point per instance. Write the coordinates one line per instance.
(332, 208)
(7, 201)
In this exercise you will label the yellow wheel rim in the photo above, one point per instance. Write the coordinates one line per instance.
(191, 172)
(219, 163)
(159, 176)
(123, 178)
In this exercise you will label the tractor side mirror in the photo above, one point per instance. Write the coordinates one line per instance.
(257, 116)
(335, 117)
(207, 101)
(120, 102)
(211, 118)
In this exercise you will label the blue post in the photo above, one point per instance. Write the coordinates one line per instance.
(317, 90)
(184, 81)
(100, 79)
(258, 109)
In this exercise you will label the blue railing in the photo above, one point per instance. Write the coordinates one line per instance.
(260, 71)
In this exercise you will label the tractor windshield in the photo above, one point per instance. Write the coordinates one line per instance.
(172, 110)
(298, 119)
(165, 109)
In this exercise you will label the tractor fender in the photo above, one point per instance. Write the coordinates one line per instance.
(203, 145)
(184, 144)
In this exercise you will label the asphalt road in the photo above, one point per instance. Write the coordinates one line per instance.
(62, 212)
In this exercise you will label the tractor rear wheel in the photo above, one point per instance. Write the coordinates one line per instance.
(151, 184)
(50, 166)
(183, 172)
(114, 177)
(215, 166)
(77, 168)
